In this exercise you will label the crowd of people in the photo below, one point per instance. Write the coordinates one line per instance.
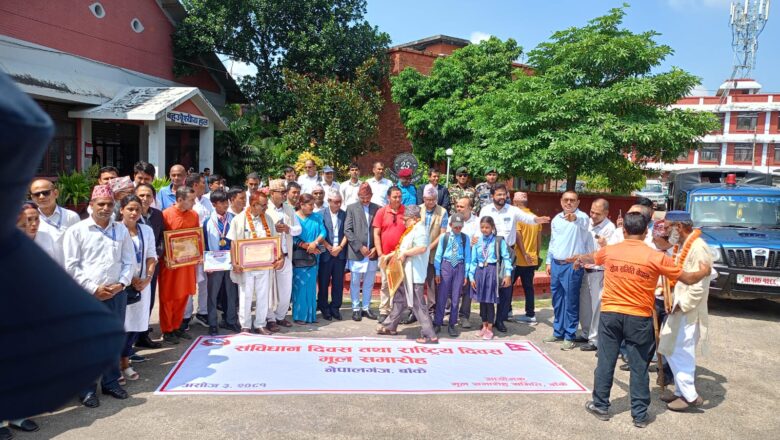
(456, 245)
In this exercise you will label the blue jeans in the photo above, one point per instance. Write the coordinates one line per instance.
(637, 333)
(110, 377)
(526, 275)
(565, 285)
(367, 279)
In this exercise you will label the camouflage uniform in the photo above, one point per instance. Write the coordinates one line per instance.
(457, 193)
(483, 197)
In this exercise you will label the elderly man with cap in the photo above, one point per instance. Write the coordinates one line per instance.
(334, 260)
(461, 188)
(361, 251)
(527, 246)
(408, 191)
(413, 251)
(686, 324)
(483, 196)
(100, 256)
(320, 204)
(55, 220)
(287, 225)
(442, 193)
(450, 261)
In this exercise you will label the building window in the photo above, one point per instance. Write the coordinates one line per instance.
(747, 121)
(97, 10)
(710, 153)
(136, 25)
(743, 152)
(777, 154)
(60, 156)
(722, 119)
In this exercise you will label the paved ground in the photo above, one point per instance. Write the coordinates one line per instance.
(738, 381)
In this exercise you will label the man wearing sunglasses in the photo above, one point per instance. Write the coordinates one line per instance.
(55, 219)
(461, 188)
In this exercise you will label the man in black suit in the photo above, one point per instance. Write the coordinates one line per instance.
(361, 252)
(443, 198)
(332, 262)
(153, 218)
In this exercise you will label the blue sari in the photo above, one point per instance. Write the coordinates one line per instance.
(304, 288)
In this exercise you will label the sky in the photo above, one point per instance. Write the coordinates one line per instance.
(697, 30)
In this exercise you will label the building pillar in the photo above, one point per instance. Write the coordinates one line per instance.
(86, 138)
(206, 145)
(156, 146)
(724, 151)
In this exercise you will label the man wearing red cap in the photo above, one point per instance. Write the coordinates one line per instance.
(99, 255)
(408, 191)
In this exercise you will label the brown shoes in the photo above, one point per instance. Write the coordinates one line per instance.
(273, 327)
(680, 404)
(284, 323)
(668, 396)
(263, 331)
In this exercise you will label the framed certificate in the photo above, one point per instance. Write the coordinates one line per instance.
(183, 247)
(395, 274)
(256, 253)
(216, 261)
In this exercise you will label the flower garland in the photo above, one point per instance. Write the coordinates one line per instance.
(251, 223)
(409, 229)
(685, 250)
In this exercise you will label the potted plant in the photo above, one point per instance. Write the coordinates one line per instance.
(160, 182)
(75, 190)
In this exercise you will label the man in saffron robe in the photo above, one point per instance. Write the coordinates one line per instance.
(177, 285)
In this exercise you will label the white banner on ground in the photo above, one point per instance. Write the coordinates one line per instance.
(251, 364)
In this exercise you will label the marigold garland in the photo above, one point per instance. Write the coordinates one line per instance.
(685, 250)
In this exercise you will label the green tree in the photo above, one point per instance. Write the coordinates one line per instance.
(334, 119)
(435, 109)
(323, 38)
(592, 102)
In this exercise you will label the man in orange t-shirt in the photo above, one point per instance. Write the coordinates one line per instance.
(631, 271)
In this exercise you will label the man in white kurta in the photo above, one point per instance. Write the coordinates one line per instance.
(287, 225)
(687, 322)
(204, 209)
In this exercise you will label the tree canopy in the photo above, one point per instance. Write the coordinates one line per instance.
(592, 102)
(322, 38)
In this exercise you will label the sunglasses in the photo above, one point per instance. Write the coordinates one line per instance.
(44, 193)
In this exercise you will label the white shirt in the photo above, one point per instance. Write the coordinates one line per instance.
(203, 208)
(94, 256)
(605, 229)
(286, 214)
(334, 186)
(506, 220)
(308, 183)
(55, 226)
(379, 189)
(334, 219)
(45, 242)
(349, 193)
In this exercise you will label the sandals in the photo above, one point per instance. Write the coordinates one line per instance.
(427, 340)
(382, 330)
(130, 374)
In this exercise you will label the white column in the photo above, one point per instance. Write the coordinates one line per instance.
(724, 149)
(206, 152)
(696, 155)
(764, 154)
(156, 146)
(86, 137)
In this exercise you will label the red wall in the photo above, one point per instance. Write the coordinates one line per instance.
(70, 26)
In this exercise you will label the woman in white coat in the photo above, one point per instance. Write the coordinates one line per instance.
(29, 221)
(137, 314)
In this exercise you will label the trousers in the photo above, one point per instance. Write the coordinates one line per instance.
(366, 280)
(384, 295)
(110, 377)
(419, 308)
(638, 335)
(284, 279)
(565, 284)
(526, 275)
(450, 289)
(255, 286)
(590, 304)
(219, 282)
(330, 275)
(683, 360)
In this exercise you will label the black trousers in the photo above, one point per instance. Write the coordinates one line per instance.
(217, 283)
(487, 311)
(330, 274)
(638, 335)
(526, 275)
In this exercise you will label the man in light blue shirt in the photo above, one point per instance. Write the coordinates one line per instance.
(166, 197)
(408, 190)
(450, 264)
(569, 237)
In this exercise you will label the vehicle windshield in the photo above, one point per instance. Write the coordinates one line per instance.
(736, 210)
(652, 188)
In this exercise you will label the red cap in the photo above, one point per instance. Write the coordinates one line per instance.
(406, 172)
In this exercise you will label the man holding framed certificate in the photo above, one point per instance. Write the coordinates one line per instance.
(252, 232)
(177, 275)
(215, 231)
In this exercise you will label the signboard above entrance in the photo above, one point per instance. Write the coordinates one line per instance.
(186, 119)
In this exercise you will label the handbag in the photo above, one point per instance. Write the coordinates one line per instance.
(301, 258)
(133, 294)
